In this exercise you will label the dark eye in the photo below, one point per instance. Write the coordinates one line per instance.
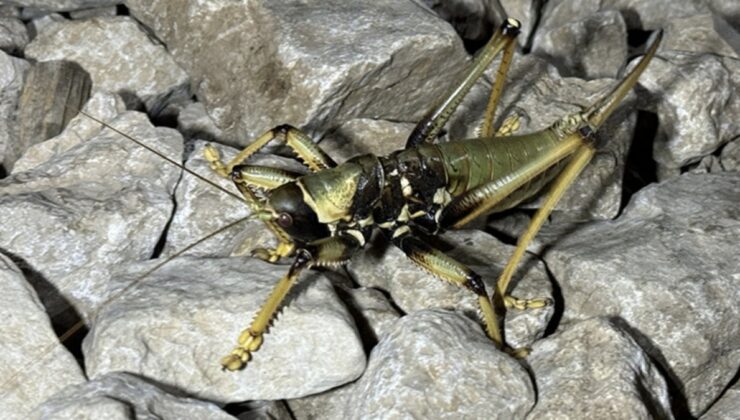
(285, 220)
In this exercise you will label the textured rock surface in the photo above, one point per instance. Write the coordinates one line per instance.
(727, 407)
(12, 74)
(95, 205)
(595, 367)
(313, 65)
(119, 57)
(683, 311)
(413, 289)
(360, 136)
(61, 5)
(26, 338)
(176, 325)
(439, 364)
(122, 395)
(13, 35)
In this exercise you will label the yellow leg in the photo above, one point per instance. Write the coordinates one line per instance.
(579, 160)
(486, 129)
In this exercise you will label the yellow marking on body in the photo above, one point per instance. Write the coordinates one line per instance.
(401, 231)
(357, 235)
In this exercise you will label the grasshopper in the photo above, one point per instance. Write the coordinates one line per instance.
(323, 218)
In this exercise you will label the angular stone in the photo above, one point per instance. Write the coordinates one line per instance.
(309, 65)
(175, 325)
(100, 203)
(413, 289)
(526, 12)
(13, 35)
(667, 266)
(122, 395)
(437, 364)
(12, 74)
(730, 157)
(107, 11)
(102, 105)
(195, 124)
(591, 48)
(691, 128)
(362, 135)
(595, 368)
(697, 34)
(258, 410)
(33, 364)
(62, 5)
(119, 56)
(727, 407)
(53, 93)
(470, 18)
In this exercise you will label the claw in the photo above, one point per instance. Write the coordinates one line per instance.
(520, 353)
(522, 304)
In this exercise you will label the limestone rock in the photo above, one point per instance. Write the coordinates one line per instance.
(176, 324)
(61, 5)
(122, 395)
(92, 207)
(13, 35)
(595, 368)
(312, 65)
(119, 56)
(439, 364)
(667, 266)
(12, 74)
(727, 407)
(33, 364)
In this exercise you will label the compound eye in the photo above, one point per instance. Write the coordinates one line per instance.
(285, 220)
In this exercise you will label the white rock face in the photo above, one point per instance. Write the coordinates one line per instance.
(122, 395)
(595, 367)
(437, 364)
(33, 363)
(93, 206)
(119, 57)
(682, 309)
(176, 324)
(312, 65)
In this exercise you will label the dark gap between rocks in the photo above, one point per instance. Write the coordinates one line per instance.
(640, 168)
(122, 10)
(679, 402)
(558, 302)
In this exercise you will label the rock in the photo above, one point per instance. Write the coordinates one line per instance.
(413, 289)
(591, 48)
(195, 124)
(122, 395)
(730, 157)
(310, 65)
(729, 10)
(667, 266)
(119, 56)
(107, 11)
(691, 128)
(470, 18)
(12, 74)
(440, 364)
(361, 136)
(94, 206)
(526, 12)
(33, 363)
(13, 35)
(727, 407)
(53, 93)
(176, 324)
(102, 105)
(540, 97)
(259, 410)
(62, 5)
(697, 34)
(595, 368)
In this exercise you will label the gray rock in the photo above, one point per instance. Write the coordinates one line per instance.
(413, 289)
(526, 12)
(125, 396)
(262, 410)
(53, 93)
(729, 10)
(90, 208)
(33, 364)
(119, 56)
(175, 325)
(361, 135)
(107, 11)
(730, 156)
(727, 407)
(13, 35)
(376, 312)
(439, 364)
(61, 5)
(102, 105)
(195, 124)
(12, 75)
(10, 11)
(691, 128)
(697, 34)
(470, 18)
(667, 266)
(596, 368)
(309, 65)
(591, 48)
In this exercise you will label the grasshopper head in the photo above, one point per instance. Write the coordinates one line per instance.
(294, 216)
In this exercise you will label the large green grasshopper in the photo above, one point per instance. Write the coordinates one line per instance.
(323, 218)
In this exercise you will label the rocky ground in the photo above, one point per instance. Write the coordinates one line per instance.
(640, 257)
